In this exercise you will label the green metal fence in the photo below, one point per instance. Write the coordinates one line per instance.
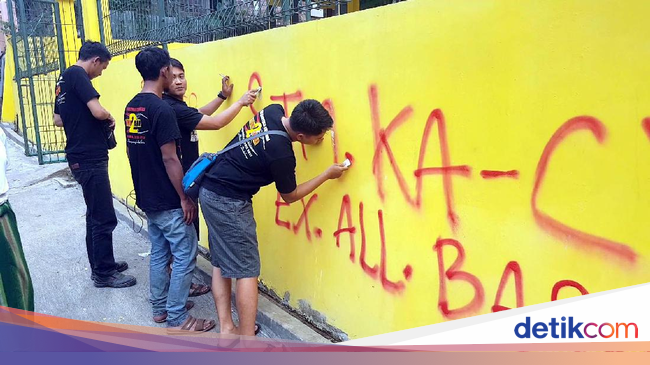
(41, 51)
(128, 25)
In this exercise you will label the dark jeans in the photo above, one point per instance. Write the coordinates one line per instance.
(100, 215)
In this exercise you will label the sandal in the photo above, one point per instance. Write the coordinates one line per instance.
(163, 317)
(200, 326)
(258, 328)
(198, 289)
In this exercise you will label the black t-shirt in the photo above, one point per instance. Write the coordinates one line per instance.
(85, 135)
(150, 123)
(242, 171)
(188, 118)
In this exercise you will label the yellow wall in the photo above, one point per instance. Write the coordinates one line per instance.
(10, 94)
(506, 75)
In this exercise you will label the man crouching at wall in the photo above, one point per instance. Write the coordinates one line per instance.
(226, 200)
(152, 136)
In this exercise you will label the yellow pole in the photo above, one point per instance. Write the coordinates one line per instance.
(91, 20)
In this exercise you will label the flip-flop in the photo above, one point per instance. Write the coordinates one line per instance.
(258, 328)
(198, 289)
(200, 326)
(163, 317)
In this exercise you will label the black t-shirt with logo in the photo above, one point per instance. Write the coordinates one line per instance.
(85, 135)
(242, 171)
(188, 118)
(150, 123)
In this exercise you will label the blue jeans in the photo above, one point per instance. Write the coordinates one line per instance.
(170, 236)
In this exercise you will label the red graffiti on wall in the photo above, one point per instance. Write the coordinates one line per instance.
(552, 225)
(349, 156)
(329, 105)
(370, 271)
(389, 286)
(448, 276)
(491, 174)
(295, 97)
(512, 269)
(304, 217)
(346, 210)
(436, 117)
(380, 271)
(455, 274)
(280, 203)
(382, 147)
(566, 283)
(255, 77)
(646, 126)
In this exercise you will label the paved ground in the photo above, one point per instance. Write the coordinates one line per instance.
(51, 219)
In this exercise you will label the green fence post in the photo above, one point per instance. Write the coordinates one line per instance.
(23, 22)
(100, 16)
(58, 26)
(162, 14)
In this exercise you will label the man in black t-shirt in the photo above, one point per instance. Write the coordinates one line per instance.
(226, 200)
(85, 121)
(151, 139)
(191, 119)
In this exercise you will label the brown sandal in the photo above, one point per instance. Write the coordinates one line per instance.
(163, 317)
(198, 289)
(200, 326)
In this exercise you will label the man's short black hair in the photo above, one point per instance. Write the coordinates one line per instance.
(310, 118)
(92, 49)
(176, 63)
(150, 60)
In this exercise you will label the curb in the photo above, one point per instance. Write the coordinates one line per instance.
(12, 134)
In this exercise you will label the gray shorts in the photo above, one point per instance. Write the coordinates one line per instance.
(232, 235)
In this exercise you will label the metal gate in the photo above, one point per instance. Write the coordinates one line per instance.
(45, 40)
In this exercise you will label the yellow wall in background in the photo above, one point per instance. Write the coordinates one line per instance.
(510, 79)
(10, 94)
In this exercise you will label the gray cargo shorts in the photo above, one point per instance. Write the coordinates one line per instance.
(231, 234)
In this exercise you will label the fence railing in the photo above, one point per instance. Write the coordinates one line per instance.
(44, 38)
(128, 25)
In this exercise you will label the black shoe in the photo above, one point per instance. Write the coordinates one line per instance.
(119, 265)
(117, 280)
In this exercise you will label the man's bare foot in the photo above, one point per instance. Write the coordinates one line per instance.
(228, 337)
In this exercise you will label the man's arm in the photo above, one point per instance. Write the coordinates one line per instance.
(226, 90)
(98, 111)
(333, 172)
(222, 119)
(57, 120)
(175, 173)
(211, 107)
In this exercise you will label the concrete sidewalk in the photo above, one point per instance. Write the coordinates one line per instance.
(51, 219)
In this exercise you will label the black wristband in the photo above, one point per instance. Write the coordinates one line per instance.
(222, 96)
